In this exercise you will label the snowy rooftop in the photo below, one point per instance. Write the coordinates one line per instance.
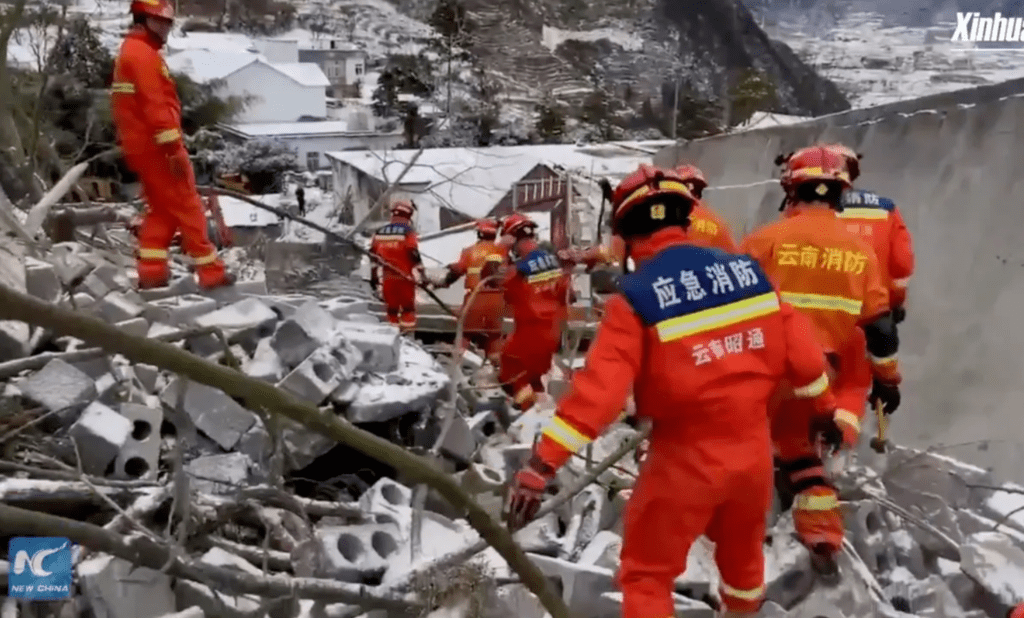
(305, 73)
(204, 65)
(761, 120)
(290, 129)
(240, 214)
(474, 180)
(230, 42)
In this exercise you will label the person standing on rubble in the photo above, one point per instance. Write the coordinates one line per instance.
(707, 228)
(537, 288)
(832, 276)
(482, 320)
(147, 115)
(397, 245)
(878, 221)
(702, 338)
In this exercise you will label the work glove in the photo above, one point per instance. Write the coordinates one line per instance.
(826, 430)
(887, 394)
(375, 283)
(899, 314)
(179, 163)
(525, 493)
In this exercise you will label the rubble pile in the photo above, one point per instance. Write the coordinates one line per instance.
(141, 452)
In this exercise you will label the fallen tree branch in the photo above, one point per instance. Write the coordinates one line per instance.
(145, 552)
(17, 306)
(275, 560)
(62, 475)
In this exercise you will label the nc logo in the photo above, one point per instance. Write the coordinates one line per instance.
(40, 568)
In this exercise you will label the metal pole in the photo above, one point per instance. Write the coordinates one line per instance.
(675, 109)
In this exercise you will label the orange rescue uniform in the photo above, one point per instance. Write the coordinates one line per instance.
(707, 229)
(879, 222)
(703, 340)
(832, 276)
(398, 245)
(147, 114)
(536, 287)
(484, 318)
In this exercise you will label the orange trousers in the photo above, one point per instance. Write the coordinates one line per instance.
(172, 205)
(525, 359)
(816, 513)
(399, 295)
(483, 321)
(676, 499)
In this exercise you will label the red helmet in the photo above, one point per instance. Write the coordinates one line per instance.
(155, 8)
(486, 228)
(518, 225)
(852, 158)
(693, 177)
(403, 208)
(649, 186)
(815, 164)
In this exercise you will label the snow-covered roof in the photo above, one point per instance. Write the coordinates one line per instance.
(305, 73)
(474, 180)
(241, 214)
(760, 120)
(289, 129)
(203, 65)
(231, 42)
(444, 247)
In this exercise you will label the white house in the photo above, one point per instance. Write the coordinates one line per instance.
(229, 42)
(313, 140)
(275, 92)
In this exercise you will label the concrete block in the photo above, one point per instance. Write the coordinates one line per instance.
(609, 605)
(191, 595)
(110, 389)
(256, 445)
(345, 394)
(380, 344)
(95, 286)
(180, 286)
(582, 584)
(244, 322)
(71, 268)
(59, 386)
(118, 589)
(342, 307)
(305, 445)
(484, 400)
(147, 376)
(116, 307)
(41, 280)
(137, 326)
(460, 442)
(315, 378)
(358, 554)
(265, 364)
(205, 346)
(219, 474)
(79, 301)
(140, 455)
(292, 343)
(363, 318)
(588, 513)
(215, 414)
(178, 310)
(100, 434)
(603, 551)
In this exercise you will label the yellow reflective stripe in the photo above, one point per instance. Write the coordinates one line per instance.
(122, 88)
(665, 186)
(901, 283)
(153, 254)
(863, 213)
(819, 386)
(544, 276)
(888, 360)
(389, 237)
(168, 136)
(523, 394)
(495, 257)
(750, 594)
(718, 317)
(848, 418)
(816, 503)
(566, 435)
(473, 271)
(205, 259)
(821, 301)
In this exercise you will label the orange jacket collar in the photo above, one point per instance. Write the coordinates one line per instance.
(808, 210)
(643, 249)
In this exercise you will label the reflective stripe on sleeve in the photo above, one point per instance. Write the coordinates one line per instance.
(848, 418)
(819, 386)
(815, 503)
(820, 301)
(566, 435)
(168, 136)
(750, 594)
(883, 361)
(122, 88)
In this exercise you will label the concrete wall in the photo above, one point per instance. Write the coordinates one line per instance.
(275, 97)
(957, 176)
(322, 144)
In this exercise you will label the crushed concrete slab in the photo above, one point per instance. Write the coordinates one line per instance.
(245, 322)
(315, 378)
(178, 310)
(416, 386)
(212, 411)
(265, 364)
(41, 280)
(118, 589)
(100, 434)
(343, 307)
(60, 387)
(292, 344)
(381, 345)
(219, 474)
(137, 326)
(993, 560)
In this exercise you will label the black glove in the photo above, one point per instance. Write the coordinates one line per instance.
(899, 314)
(887, 394)
(826, 430)
(374, 283)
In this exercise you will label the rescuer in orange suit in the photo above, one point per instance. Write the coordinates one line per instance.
(707, 229)
(537, 288)
(832, 276)
(1016, 612)
(147, 114)
(878, 221)
(398, 245)
(703, 340)
(483, 319)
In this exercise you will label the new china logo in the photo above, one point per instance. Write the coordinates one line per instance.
(40, 568)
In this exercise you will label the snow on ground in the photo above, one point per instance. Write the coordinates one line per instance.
(1009, 503)
(876, 64)
(320, 209)
(553, 37)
